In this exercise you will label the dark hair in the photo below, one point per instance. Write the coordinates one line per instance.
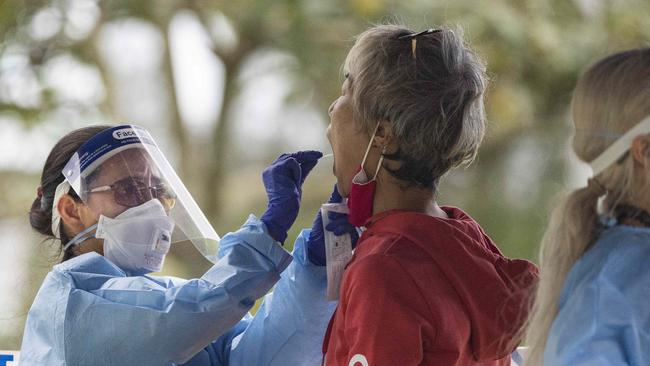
(40, 214)
(432, 95)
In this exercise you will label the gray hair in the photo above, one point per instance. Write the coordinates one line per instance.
(432, 97)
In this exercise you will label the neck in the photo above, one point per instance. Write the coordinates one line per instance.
(90, 245)
(632, 215)
(391, 196)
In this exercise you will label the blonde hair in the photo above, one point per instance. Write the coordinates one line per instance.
(610, 98)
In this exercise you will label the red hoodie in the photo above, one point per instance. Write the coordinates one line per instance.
(422, 290)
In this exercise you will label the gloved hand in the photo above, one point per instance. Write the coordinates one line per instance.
(338, 224)
(283, 181)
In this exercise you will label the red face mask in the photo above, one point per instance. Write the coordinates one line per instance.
(362, 191)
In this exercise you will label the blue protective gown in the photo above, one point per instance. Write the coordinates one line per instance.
(88, 312)
(604, 307)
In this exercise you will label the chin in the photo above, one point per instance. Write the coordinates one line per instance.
(344, 190)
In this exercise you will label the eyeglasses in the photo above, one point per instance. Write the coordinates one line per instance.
(131, 192)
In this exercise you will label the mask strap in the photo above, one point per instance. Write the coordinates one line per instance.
(381, 160)
(619, 147)
(81, 237)
(363, 162)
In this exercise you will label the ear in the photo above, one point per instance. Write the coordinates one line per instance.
(70, 215)
(640, 150)
(384, 136)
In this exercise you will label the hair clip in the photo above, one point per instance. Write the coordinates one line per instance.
(39, 194)
(414, 40)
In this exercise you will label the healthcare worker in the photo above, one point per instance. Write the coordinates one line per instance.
(116, 205)
(591, 306)
(426, 285)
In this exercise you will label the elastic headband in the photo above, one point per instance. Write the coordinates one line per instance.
(619, 147)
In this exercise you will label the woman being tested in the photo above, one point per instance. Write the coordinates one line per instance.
(117, 206)
(591, 306)
(426, 286)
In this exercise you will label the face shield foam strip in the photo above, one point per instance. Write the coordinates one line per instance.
(61, 189)
(619, 147)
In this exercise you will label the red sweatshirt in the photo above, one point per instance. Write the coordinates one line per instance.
(422, 290)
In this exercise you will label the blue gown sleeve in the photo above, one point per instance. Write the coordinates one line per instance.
(605, 322)
(100, 317)
(289, 327)
(218, 352)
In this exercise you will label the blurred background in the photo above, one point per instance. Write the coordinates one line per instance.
(225, 86)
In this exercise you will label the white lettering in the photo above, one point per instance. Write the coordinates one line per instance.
(9, 358)
(358, 359)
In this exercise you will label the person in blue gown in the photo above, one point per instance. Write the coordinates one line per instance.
(591, 306)
(108, 195)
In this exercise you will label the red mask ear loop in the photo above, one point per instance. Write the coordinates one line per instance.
(381, 160)
(365, 156)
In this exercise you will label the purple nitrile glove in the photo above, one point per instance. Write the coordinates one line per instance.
(338, 224)
(283, 181)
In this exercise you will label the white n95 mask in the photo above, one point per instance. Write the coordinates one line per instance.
(138, 239)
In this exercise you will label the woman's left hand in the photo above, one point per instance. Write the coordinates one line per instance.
(338, 224)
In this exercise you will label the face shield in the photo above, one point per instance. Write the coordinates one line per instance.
(121, 168)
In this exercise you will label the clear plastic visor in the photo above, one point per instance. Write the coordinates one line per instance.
(111, 175)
